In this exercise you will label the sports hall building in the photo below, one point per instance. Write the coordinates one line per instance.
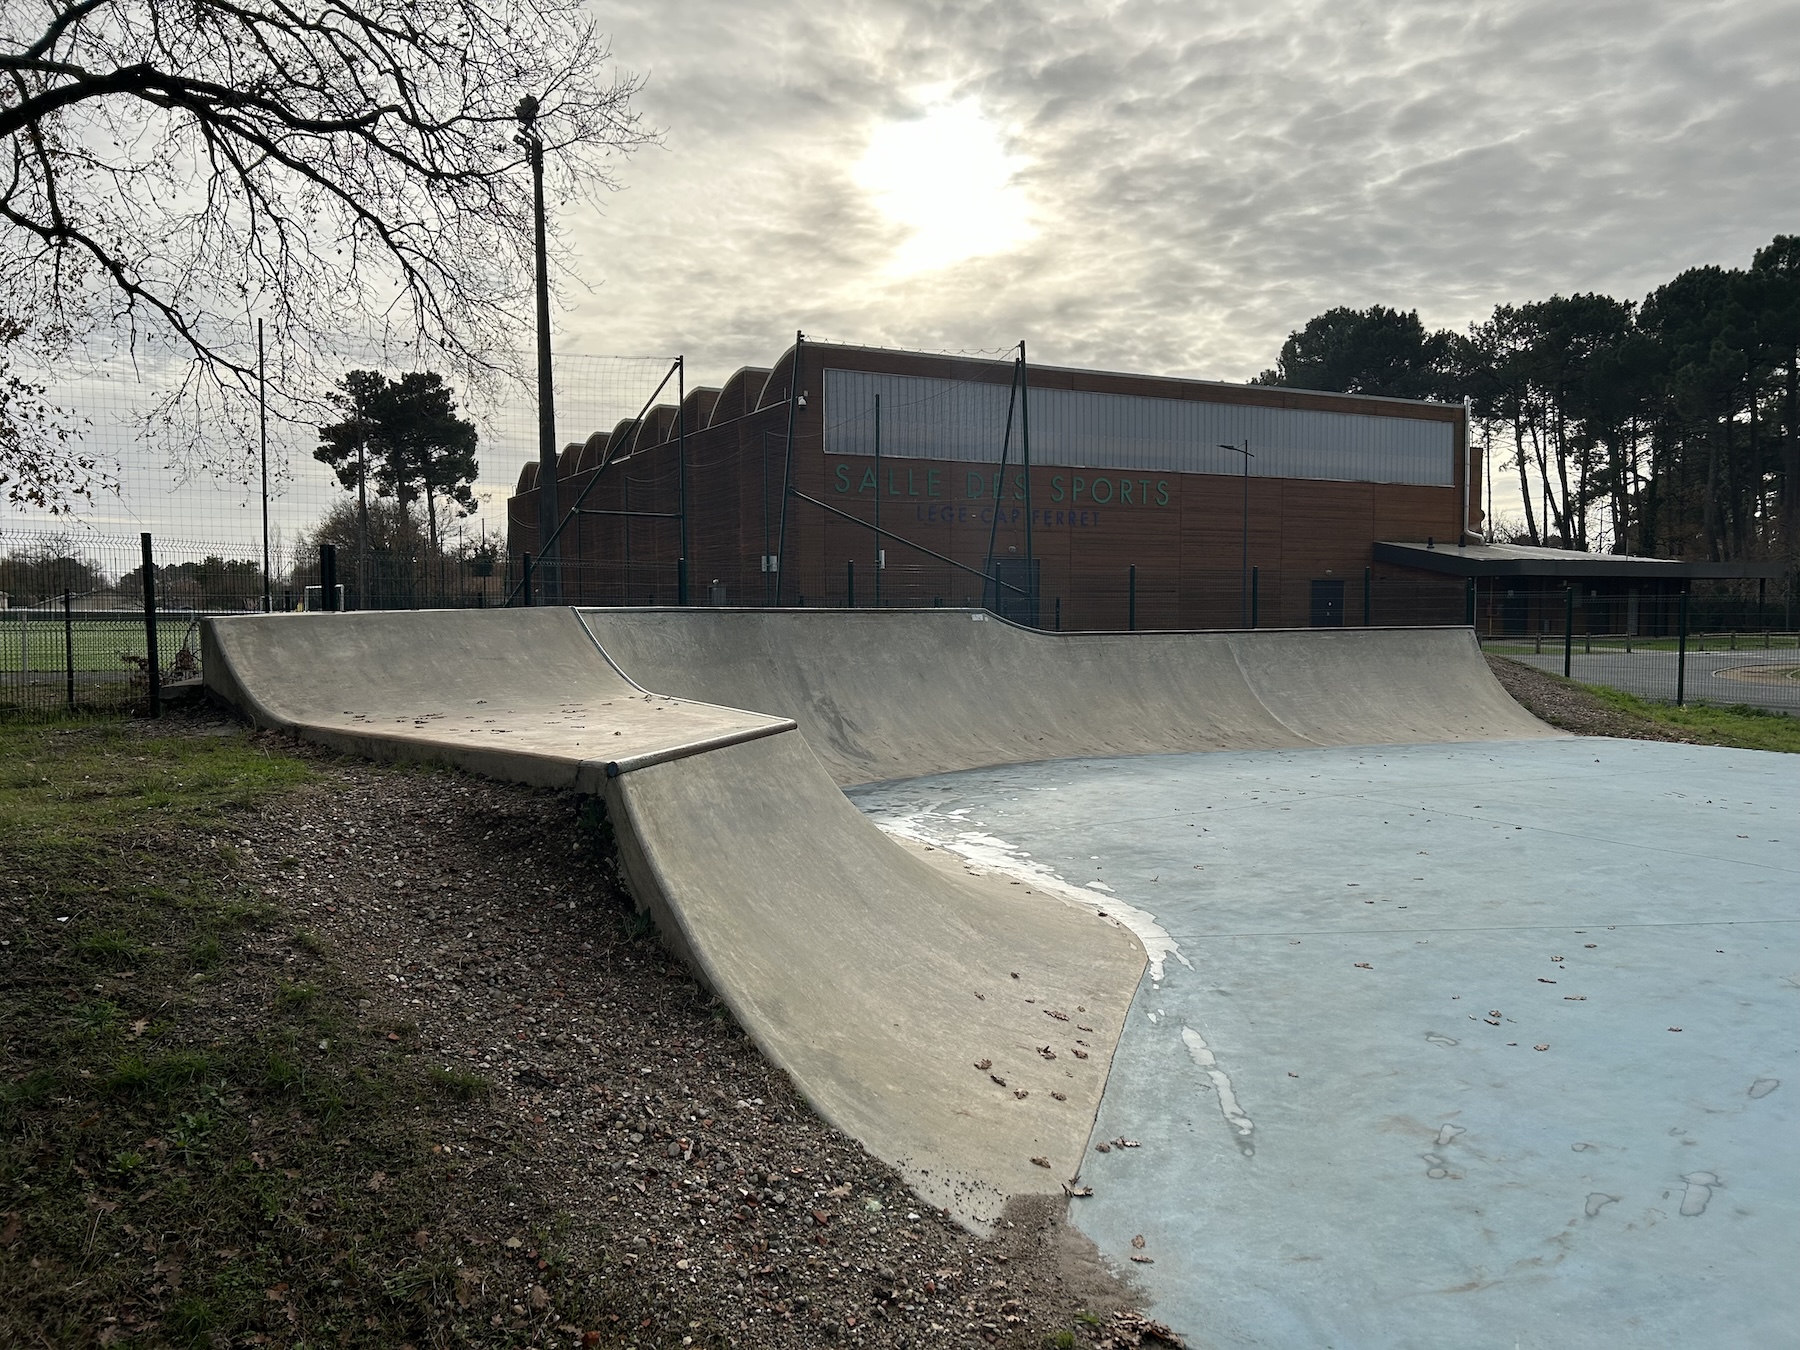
(1065, 498)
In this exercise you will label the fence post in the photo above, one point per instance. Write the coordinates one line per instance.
(152, 664)
(1469, 603)
(527, 584)
(1059, 614)
(1681, 651)
(328, 578)
(1131, 599)
(1368, 596)
(1568, 629)
(1255, 592)
(681, 597)
(850, 584)
(69, 644)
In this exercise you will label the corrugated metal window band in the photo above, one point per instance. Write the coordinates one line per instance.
(928, 418)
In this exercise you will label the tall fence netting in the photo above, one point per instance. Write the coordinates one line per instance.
(189, 472)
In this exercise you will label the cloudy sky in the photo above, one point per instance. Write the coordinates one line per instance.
(1157, 185)
(1170, 187)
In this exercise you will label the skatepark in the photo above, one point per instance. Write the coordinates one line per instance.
(1351, 1004)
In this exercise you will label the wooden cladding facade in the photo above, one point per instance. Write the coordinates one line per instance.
(1088, 528)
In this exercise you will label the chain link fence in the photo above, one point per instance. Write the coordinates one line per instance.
(1724, 644)
(81, 632)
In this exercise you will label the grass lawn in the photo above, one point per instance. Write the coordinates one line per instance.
(188, 1157)
(1743, 727)
(38, 643)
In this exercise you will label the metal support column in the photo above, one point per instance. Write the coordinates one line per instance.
(1681, 650)
(878, 549)
(1568, 629)
(69, 645)
(328, 582)
(681, 587)
(787, 470)
(152, 662)
(1031, 603)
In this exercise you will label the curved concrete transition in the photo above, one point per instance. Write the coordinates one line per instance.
(959, 1025)
(884, 694)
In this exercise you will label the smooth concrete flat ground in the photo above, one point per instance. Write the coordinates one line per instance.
(1348, 1134)
(1749, 676)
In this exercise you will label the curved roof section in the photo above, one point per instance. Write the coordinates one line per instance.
(659, 426)
(528, 476)
(738, 395)
(593, 451)
(625, 438)
(697, 407)
(775, 388)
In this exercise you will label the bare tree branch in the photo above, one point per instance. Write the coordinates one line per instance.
(342, 168)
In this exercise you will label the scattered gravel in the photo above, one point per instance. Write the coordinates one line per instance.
(1564, 704)
(632, 1136)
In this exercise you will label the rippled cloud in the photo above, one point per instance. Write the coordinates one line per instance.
(1171, 186)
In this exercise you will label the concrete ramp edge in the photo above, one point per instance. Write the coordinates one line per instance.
(879, 979)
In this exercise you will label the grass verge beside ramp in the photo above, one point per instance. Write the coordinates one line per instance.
(1593, 710)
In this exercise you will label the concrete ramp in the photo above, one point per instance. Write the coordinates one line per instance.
(886, 694)
(907, 1001)
(882, 979)
(518, 694)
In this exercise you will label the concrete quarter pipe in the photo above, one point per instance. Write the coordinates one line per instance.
(895, 987)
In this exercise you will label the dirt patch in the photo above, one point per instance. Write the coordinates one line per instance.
(683, 1169)
(1761, 674)
(1564, 704)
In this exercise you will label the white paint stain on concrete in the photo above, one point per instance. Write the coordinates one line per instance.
(947, 830)
(1204, 1060)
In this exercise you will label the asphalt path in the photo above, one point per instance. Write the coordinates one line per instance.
(1752, 677)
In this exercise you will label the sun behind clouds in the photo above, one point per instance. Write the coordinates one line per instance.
(947, 176)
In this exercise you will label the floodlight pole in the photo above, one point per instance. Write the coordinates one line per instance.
(1244, 566)
(548, 553)
(262, 436)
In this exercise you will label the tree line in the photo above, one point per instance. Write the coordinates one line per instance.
(402, 437)
(1667, 427)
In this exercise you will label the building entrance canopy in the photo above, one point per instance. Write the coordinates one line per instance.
(1562, 565)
